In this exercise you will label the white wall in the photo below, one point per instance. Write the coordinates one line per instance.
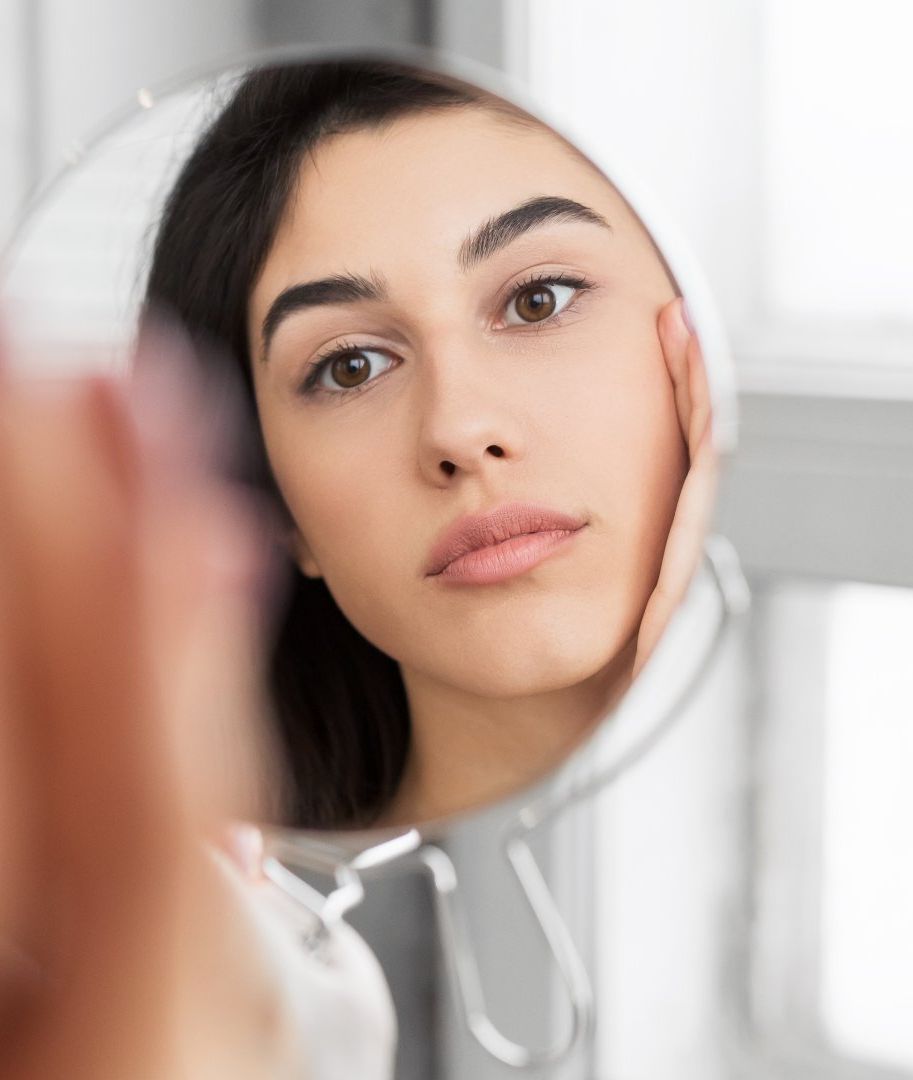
(776, 134)
(95, 55)
(15, 160)
(74, 275)
(670, 88)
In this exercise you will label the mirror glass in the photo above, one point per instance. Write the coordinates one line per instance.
(471, 397)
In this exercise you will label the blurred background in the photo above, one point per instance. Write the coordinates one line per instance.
(744, 901)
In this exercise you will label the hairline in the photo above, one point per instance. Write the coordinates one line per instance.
(511, 114)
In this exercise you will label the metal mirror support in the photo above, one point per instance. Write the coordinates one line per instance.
(625, 749)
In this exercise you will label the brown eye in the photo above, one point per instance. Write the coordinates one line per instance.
(539, 301)
(350, 369)
(535, 303)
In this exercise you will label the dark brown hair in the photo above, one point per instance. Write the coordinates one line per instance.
(339, 701)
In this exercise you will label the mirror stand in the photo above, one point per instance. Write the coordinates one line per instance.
(628, 743)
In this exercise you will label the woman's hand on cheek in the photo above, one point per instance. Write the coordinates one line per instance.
(685, 364)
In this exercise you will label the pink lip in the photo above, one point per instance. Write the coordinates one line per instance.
(507, 541)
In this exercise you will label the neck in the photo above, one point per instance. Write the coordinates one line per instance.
(468, 750)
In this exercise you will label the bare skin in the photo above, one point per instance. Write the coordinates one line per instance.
(129, 945)
(466, 405)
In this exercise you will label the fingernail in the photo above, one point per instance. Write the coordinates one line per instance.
(244, 845)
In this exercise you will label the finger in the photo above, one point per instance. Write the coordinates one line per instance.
(105, 807)
(675, 338)
(683, 548)
(16, 839)
(210, 656)
(208, 638)
(110, 807)
(684, 361)
(699, 393)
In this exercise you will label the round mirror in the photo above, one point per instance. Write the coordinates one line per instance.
(486, 424)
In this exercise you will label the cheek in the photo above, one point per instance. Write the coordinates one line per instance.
(656, 466)
(329, 488)
(337, 489)
(627, 439)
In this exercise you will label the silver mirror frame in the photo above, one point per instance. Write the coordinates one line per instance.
(626, 734)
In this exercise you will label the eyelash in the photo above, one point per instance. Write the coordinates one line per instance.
(309, 387)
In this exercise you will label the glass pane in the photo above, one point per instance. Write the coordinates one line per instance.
(838, 84)
(867, 879)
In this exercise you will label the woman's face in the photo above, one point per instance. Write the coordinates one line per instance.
(463, 387)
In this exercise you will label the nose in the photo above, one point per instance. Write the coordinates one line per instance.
(467, 410)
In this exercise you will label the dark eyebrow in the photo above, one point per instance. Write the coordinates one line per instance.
(502, 230)
(339, 289)
(489, 238)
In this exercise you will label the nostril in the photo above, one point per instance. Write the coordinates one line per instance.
(450, 468)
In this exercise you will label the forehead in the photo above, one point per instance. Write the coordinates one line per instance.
(429, 178)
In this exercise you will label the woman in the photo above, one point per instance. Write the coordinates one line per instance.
(474, 396)
(125, 572)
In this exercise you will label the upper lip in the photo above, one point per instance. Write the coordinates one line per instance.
(476, 531)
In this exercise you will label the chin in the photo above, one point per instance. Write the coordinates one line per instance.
(547, 667)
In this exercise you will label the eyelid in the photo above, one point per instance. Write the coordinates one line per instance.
(571, 279)
(309, 385)
(321, 363)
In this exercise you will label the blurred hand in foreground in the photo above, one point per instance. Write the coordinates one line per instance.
(129, 686)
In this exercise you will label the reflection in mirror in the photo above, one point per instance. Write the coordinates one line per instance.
(480, 417)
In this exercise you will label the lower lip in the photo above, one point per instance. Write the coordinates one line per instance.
(499, 562)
